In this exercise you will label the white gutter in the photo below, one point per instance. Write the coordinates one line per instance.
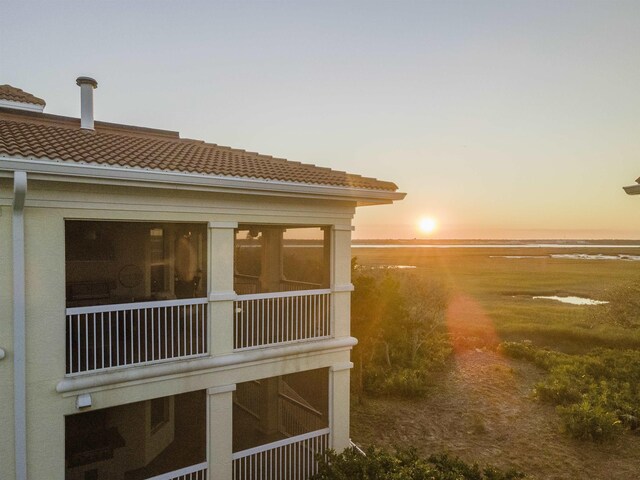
(90, 173)
(19, 356)
(201, 365)
(29, 107)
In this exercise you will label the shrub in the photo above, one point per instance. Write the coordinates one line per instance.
(589, 422)
(596, 394)
(381, 464)
(623, 308)
(405, 382)
(526, 351)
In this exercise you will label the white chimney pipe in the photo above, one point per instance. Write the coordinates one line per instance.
(86, 85)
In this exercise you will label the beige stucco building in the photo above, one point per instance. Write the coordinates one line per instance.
(170, 309)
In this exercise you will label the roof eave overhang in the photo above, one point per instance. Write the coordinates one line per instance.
(51, 170)
(632, 189)
(23, 106)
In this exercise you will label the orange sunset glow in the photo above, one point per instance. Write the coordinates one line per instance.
(427, 225)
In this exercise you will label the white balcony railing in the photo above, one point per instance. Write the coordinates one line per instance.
(194, 472)
(289, 459)
(265, 319)
(106, 337)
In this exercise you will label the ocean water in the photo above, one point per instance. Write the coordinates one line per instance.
(575, 256)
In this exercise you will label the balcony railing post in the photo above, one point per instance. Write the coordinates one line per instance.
(221, 294)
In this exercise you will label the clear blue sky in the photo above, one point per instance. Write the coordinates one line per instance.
(499, 118)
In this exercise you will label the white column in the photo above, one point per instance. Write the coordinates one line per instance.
(340, 374)
(220, 432)
(339, 378)
(341, 280)
(221, 295)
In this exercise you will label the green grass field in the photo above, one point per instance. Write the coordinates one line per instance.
(503, 287)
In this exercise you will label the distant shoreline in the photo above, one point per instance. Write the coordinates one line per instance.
(494, 243)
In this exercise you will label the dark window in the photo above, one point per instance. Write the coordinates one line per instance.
(158, 260)
(91, 474)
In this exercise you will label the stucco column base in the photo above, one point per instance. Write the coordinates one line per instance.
(220, 432)
(339, 378)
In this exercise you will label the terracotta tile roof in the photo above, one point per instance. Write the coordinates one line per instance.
(42, 136)
(7, 92)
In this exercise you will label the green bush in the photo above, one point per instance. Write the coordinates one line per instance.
(403, 465)
(590, 422)
(404, 382)
(623, 308)
(526, 351)
(597, 395)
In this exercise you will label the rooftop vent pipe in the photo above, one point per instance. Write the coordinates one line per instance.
(86, 84)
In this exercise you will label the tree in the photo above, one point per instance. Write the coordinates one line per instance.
(399, 322)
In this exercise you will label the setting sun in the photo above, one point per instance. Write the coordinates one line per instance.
(428, 225)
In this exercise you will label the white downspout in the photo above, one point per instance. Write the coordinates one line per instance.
(19, 317)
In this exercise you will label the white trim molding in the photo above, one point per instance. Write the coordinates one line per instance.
(73, 172)
(344, 287)
(341, 366)
(89, 383)
(222, 296)
(221, 389)
(233, 225)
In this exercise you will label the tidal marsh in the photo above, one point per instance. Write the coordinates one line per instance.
(491, 303)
